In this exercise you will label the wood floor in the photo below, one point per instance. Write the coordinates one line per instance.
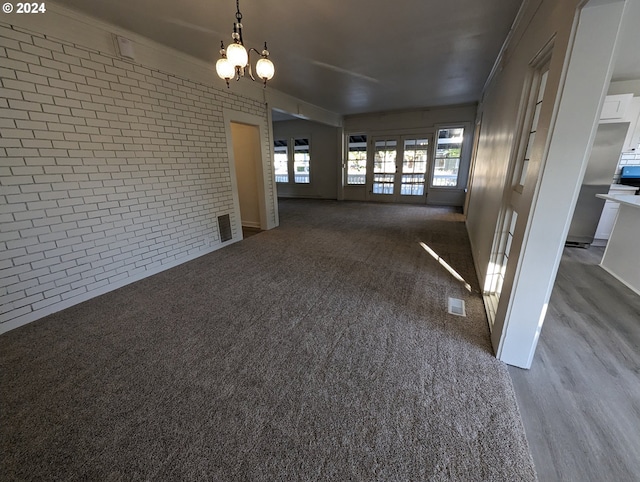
(580, 401)
(248, 232)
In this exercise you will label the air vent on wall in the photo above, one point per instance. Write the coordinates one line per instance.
(125, 48)
(224, 227)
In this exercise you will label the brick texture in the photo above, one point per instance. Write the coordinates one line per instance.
(628, 158)
(109, 171)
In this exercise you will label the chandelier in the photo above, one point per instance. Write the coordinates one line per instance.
(236, 58)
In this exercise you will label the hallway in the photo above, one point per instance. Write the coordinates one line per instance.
(580, 402)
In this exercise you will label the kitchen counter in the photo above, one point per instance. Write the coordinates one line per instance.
(621, 257)
(610, 213)
(626, 199)
(622, 188)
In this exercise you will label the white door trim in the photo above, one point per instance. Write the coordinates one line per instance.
(266, 182)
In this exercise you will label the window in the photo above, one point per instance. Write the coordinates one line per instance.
(301, 160)
(536, 107)
(281, 160)
(357, 160)
(292, 160)
(447, 160)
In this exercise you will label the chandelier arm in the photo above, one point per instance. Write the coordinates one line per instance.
(250, 68)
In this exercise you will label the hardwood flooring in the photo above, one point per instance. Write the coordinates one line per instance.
(580, 402)
(248, 232)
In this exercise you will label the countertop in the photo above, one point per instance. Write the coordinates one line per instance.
(627, 199)
(622, 187)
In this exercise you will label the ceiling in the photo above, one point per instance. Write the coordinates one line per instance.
(346, 56)
(350, 56)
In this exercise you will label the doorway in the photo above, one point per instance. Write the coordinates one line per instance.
(247, 159)
(397, 171)
(251, 175)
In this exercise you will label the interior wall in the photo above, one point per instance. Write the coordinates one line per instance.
(326, 158)
(577, 82)
(247, 158)
(111, 170)
(418, 121)
(625, 87)
(501, 104)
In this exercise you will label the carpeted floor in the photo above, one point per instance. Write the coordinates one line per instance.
(320, 350)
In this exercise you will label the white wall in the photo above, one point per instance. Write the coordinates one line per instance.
(578, 79)
(111, 170)
(501, 111)
(625, 87)
(326, 158)
(418, 121)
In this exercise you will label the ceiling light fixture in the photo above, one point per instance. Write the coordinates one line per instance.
(236, 57)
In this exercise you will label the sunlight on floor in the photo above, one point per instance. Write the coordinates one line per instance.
(446, 266)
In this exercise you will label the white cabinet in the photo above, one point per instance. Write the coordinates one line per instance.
(609, 214)
(607, 220)
(623, 108)
(615, 107)
(633, 136)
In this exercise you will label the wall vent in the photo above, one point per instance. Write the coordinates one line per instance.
(224, 226)
(456, 307)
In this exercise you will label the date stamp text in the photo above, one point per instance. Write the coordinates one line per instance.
(19, 7)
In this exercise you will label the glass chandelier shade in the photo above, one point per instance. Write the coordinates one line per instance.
(225, 69)
(237, 55)
(265, 69)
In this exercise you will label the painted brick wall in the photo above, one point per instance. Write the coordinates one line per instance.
(109, 172)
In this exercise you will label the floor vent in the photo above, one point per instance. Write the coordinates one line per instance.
(456, 307)
(224, 226)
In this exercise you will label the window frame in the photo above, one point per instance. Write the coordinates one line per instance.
(438, 128)
(291, 140)
(293, 158)
(287, 161)
(348, 137)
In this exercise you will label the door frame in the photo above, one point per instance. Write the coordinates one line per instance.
(397, 196)
(266, 182)
(247, 181)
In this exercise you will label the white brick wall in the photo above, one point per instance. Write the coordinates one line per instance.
(109, 172)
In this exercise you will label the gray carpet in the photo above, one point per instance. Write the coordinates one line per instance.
(320, 350)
